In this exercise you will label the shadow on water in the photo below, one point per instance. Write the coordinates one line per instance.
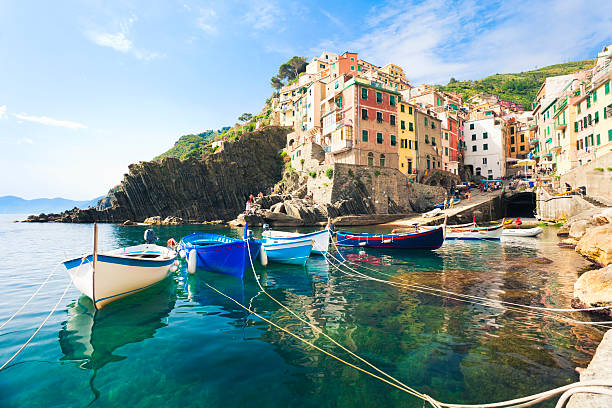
(92, 336)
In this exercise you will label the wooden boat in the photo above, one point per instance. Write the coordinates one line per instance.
(432, 213)
(425, 239)
(108, 276)
(441, 205)
(521, 232)
(293, 251)
(218, 253)
(472, 231)
(320, 238)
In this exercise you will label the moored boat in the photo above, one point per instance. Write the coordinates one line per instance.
(218, 253)
(442, 205)
(425, 239)
(320, 238)
(108, 276)
(521, 232)
(472, 231)
(293, 251)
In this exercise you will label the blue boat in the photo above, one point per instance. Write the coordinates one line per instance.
(441, 205)
(293, 251)
(221, 254)
(430, 239)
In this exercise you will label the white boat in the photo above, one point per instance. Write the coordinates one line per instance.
(320, 238)
(472, 231)
(521, 232)
(289, 251)
(108, 276)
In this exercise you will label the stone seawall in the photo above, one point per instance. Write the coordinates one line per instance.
(596, 176)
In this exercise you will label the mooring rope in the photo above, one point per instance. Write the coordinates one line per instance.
(31, 297)
(542, 308)
(46, 318)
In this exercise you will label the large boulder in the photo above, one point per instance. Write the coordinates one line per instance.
(596, 244)
(594, 289)
(157, 220)
(578, 228)
(172, 221)
(604, 217)
(276, 219)
(278, 207)
(254, 220)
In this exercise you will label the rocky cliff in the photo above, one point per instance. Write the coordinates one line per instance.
(213, 188)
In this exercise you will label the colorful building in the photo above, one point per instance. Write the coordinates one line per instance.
(407, 138)
(485, 147)
(428, 134)
(601, 83)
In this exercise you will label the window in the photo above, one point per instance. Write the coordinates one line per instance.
(379, 98)
(409, 166)
(358, 67)
(382, 160)
(364, 114)
(471, 126)
(485, 147)
(364, 93)
(336, 85)
(578, 110)
(588, 102)
(403, 143)
(474, 148)
(446, 151)
(379, 117)
(402, 108)
(425, 120)
(478, 170)
(433, 125)
(596, 119)
(512, 130)
(393, 140)
(402, 125)
(410, 126)
(392, 100)
(370, 159)
(522, 137)
(598, 140)
(484, 160)
(522, 149)
(416, 142)
(609, 135)
(352, 58)
(607, 88)
(410, 110)
(379, 138)
(364, 135)
(428, 163)
(512, 149)
(485, 135)
(392, 120)
(511, 139)
(445, 135)
(433, 141)
(427, 139)
(473, 137)
(575, 126)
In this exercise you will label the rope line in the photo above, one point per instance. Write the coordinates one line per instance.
(31, 297)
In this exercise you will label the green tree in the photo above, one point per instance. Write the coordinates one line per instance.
(245, 117)
(276, 83)
(292, 68)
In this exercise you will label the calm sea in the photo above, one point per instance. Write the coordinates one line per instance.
(179, 344)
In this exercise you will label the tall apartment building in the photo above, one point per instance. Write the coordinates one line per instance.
(407, 138)
(485, 147)
(428, 141)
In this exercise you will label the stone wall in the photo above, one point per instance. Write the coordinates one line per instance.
(597, 182)
(553, 208)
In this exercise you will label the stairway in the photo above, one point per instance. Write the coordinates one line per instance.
(594, 201)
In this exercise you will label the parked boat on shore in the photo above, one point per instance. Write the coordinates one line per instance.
(425, 239)
(320, 238)
(521, 232)
(444, 205)
(218, 253)
(108, 276)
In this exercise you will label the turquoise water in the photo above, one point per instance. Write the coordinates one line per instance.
(181, 344)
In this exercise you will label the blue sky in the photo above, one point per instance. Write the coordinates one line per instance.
(88, 87)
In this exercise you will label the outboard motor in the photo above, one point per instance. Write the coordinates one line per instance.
(266, 227)
(150, 237)
(249, 234)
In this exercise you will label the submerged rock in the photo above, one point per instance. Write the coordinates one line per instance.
(594, 289)
(596, 245)
(579, 228)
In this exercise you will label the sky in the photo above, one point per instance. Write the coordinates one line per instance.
(88, 87)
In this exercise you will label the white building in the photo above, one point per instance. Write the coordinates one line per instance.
(485, 152)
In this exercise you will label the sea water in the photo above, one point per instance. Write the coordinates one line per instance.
(181, 344)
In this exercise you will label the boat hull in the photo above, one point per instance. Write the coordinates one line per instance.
(216, 253)
(522, 232)
(486, 233)
(120, 273)
(429, 239)
(288, 251)
(320, 239)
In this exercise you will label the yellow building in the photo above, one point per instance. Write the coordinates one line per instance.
(407, 139)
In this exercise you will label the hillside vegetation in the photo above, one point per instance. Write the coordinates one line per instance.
(187, 144)
(521, 88)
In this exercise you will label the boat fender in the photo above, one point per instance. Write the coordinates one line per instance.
(387, 241)
(173, 268)
(182, 253)
(176, 262)
(362, 244)
(192, 261)
(263, 256)
(171, 243)
(395, 231)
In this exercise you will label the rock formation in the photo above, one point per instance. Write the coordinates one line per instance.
(594, 289)
(213, 188)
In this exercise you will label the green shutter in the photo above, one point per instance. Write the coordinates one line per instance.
(605, 114)
(598, 140)
(364, 93)
(609, 135)
(596, 116)
(594, 96)
(392, 100)
(364, 135)
(575, 126)
(607, 87)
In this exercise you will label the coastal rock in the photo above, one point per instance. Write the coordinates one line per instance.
(276, 219)
(153, 220)
(563, 231)
(370, 219)
(254, 220)
(128, 222)
(172, 221)
(594, 289)
(596, 244)
(605, 217)
(278, 208)
(578, 228)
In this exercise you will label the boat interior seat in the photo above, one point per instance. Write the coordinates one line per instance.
(145, 256)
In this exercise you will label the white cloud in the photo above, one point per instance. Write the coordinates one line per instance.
(264, 15)
(44, 120)
(467, 39)
(3, 112)
(333, 19)
(120, 41)
(206, 21)
(26, 140)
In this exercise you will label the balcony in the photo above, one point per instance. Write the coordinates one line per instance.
(560, 126)
(341, 146)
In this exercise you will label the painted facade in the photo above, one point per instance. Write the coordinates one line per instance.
(407, 138)
(485, 147)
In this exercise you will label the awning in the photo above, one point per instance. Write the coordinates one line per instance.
(545, 162)
(525, 162)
